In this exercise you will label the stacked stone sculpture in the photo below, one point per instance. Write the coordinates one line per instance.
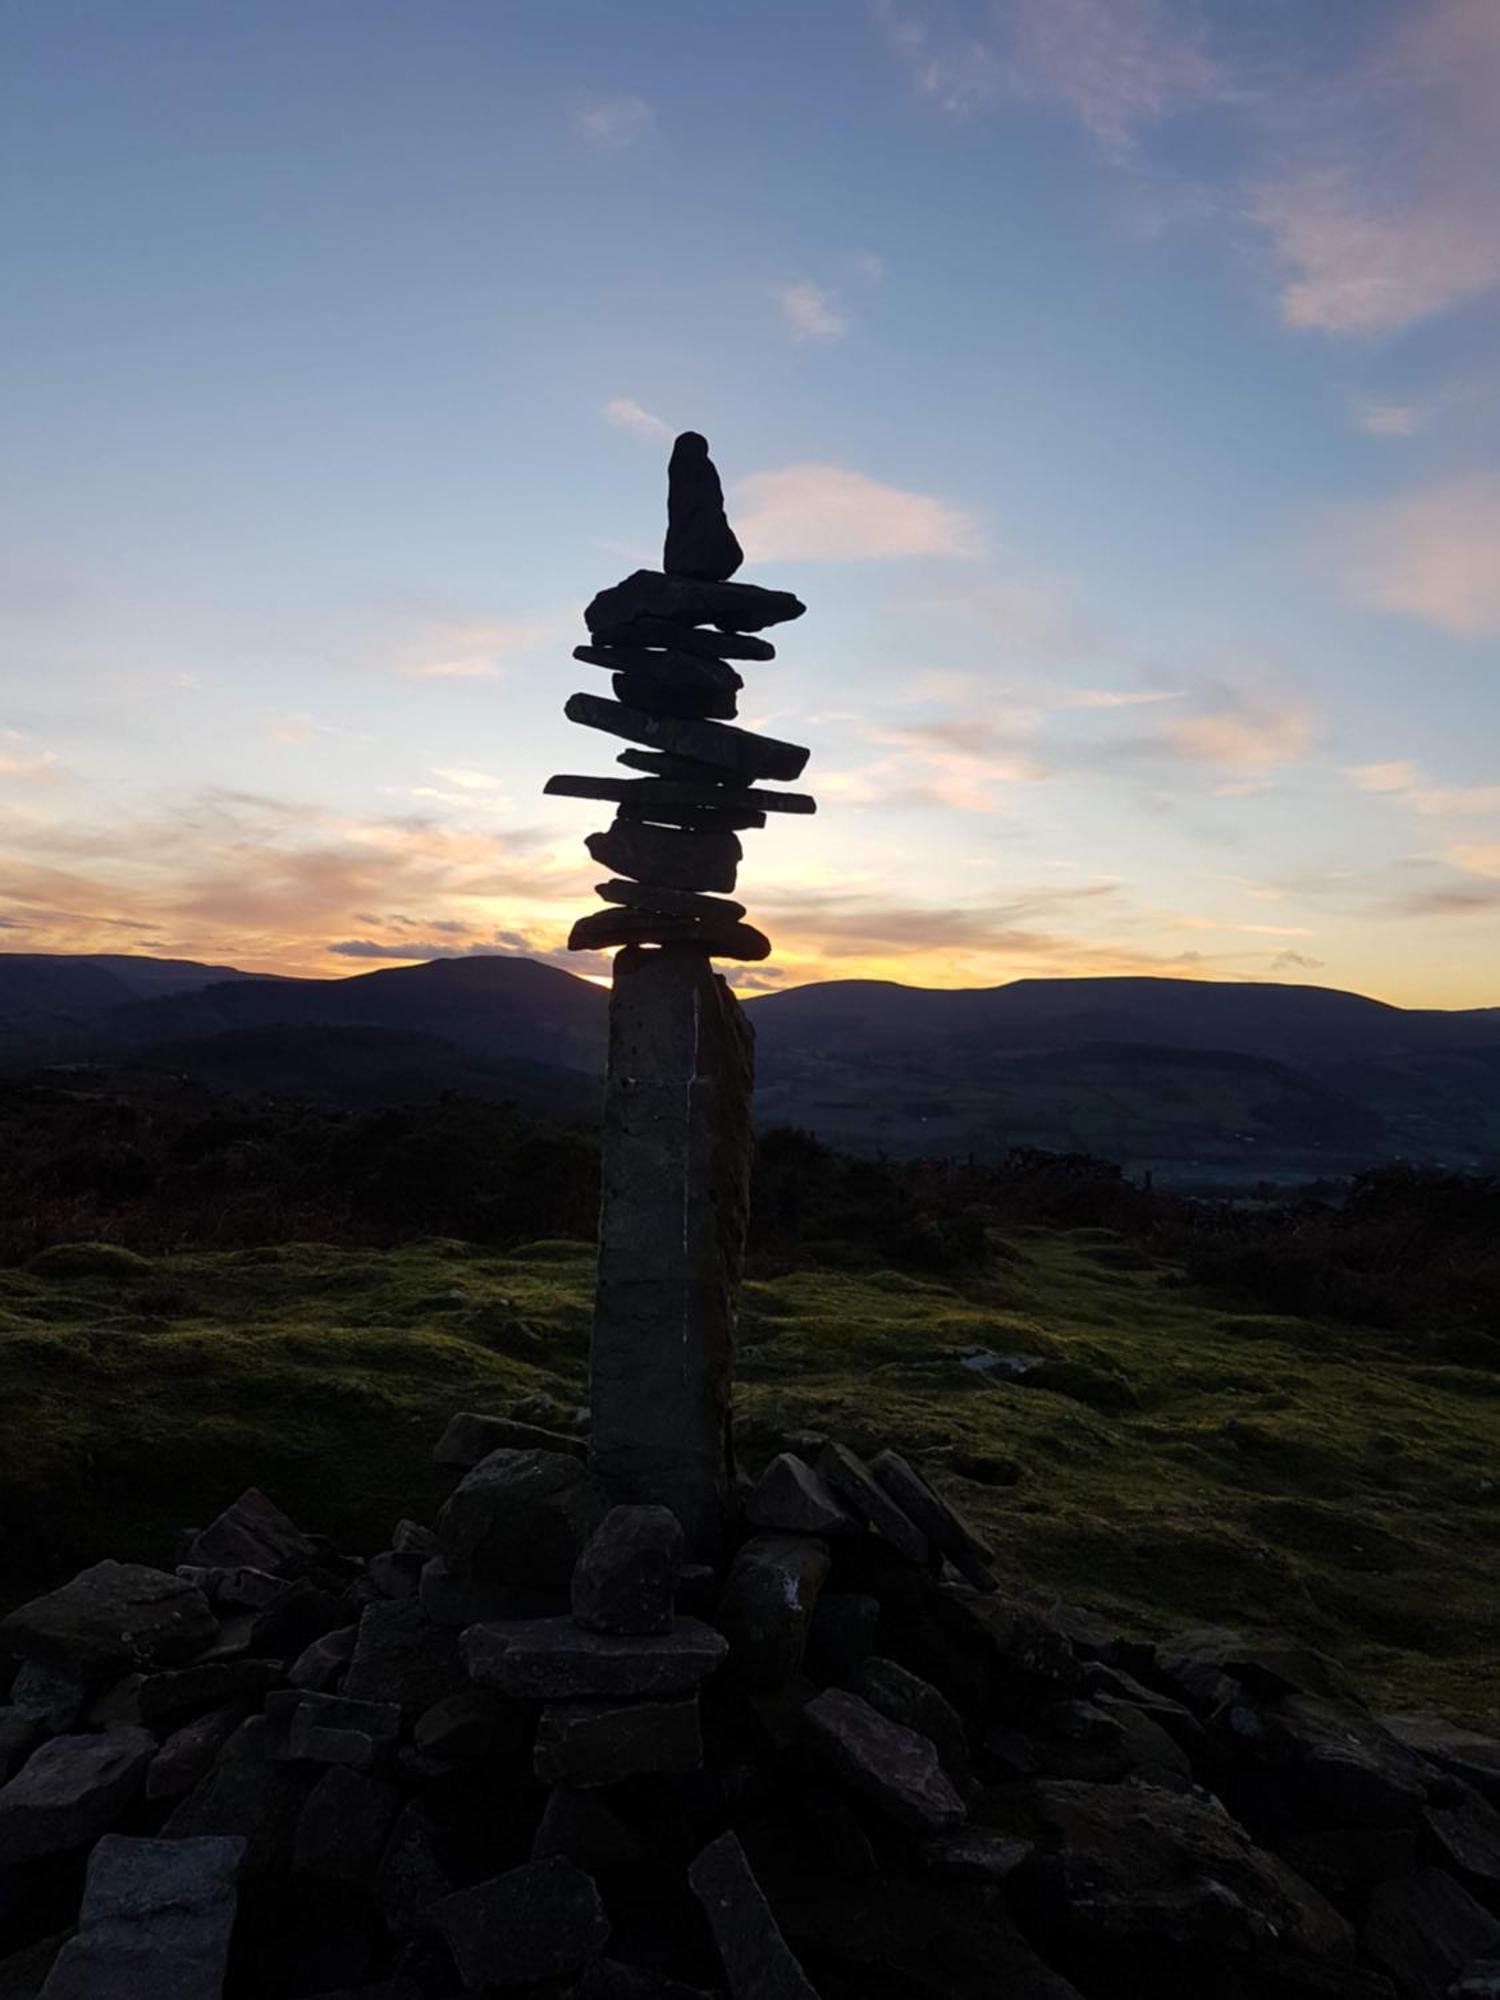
(669, 637)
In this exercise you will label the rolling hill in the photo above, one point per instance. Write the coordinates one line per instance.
(1199, 1083)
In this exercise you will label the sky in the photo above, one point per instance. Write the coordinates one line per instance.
(1117, 382)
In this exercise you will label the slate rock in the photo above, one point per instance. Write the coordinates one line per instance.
(667, 858)
(625, 1579)
(728, 815)
(669, 902)
(1346, 1862)
(700, 542)
(906, 1698)
(758, 1962)
(254, 1533)
(894, 1768)
(1461, 1834)
(402, 1655)
(790, 1498)
(1464, 1753)
(470, 1437)
(675, 637)
(1427, 1931)
(668, 668)
(188, 1754)
(698, 786)
(53, 1696)
(767, 1604)
(945, 1528)
(248, 1794)
(320, 1666)
(156, 1920)
(539, 1921)
(1194, 1665)
(648, 593)
(581, 1744)
(854, 1483)
(163, 1698)
(521, 1518)
(743, 752)
(609, 1979)
(20, 1733)
(587, 1830)
(24, 1973)
(291, 1621)
(845, 1631)
(109, 1619)
(336, 1729)
(659, 696)
(604, 930)
(71, 1790)
(475, 1723)
(552, 1659)
(343, 1827)
(1303, 1761)
(457, 1601)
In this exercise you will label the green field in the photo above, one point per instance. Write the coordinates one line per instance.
(1175, 1462)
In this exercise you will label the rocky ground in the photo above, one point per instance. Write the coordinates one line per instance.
(533, 1749)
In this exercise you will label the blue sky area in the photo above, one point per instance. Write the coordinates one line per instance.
(1116, 380)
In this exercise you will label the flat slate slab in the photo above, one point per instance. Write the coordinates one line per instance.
(738, 750)
(685, 669)
(758, 1961)
(605, 930)
(893, 1767)
(71, 1790)
(539, 1921)
(552, 1659)
(650, 593)
(111, 1618)
(667, 859)
(156, 1921)
(678, 791)
(680, 638)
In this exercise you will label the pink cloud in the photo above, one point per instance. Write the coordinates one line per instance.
(1429, 555)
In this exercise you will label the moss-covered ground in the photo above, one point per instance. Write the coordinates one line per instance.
(1174, 1461)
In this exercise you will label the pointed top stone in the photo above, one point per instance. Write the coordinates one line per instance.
(700, 541)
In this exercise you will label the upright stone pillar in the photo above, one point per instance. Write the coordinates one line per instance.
(676, 1175)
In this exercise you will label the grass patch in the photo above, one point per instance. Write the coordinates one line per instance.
(1170, 1463)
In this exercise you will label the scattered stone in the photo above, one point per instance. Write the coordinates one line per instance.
(389, 1576)
(1462, 1835)
(248, 1793)
(109, 1619)
(669, 902)
(603, 930)
(852, 1480)
(647, 593)
(1462, 1752)
(552, 1659)
(475, 1723)
(1427, 1931)
(700, 542)
(758, 1961)
(944, 1527)
(51, 1695)
(582, 1744)
(254, 1534)
(539, 1921)
(188, 1754)
(457, 1601)
(678, 638)
(522, 1518)
(790, 1497)
(893, 1767)
(156, 1919)
(289, 1624)
(344, 1825)
(23, 1974)
(403, 1656)
(1346, 1862)
(163, 1698)
(1195, 1665)
(626, 1578)
(767, 1605)
(666, 857)
(1322, 1763)
(412, 1539)
(470, 1437)
(20, 1733)
(335, 1729)
(244, 1587)
(904, 1697)
(586, 1829)
(680, 669)
(976, 1854)
(742, 751)
(320, 1666)
(1012, 1367)
(699, 788)
(72, 1790)
(608, 1979)
(844, 1633)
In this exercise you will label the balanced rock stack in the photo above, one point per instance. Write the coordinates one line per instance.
(669, 638)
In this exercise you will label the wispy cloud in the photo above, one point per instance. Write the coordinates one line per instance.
(810, 311)
(1247, 735)
(1476, 858)
(474, 649)
(612, 123)
(1410, 785)
(825, 513)
(627, 415)
(1429, 554)
(1395, 420)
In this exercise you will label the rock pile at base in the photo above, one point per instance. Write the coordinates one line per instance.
(668, 636)
(532, 1750)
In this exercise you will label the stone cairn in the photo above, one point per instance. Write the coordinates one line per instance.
(536, 1749)
(677, 1123)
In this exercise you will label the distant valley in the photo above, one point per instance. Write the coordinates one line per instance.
(1200, 1084)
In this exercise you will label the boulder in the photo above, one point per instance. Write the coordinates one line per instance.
(1461, 1833)
(700, 542)
(72, 1790)
(791, 1498)
(521, 1518)
(1195, 1665)
(343, 1827)
(336, 1729)
(188, 1754)
(320, 1666)
(469, 1437)
(758, 1962)
(156, 1920)
(552, 1659)
(1303, 1761)
(894, 1768)
(585, 1829)
(767, 1605)
(457, 1601)
(1464, 1753)
(110, 1619)
(626, 1578)
(1427, 1932)
(583, 1744)
(844, 1633)
(401, 1655)
(248, 1794)
(52, 1696)
(854, 1483)
(904, 1697)
(254, 1534)
(542, 1920)
(689, 601)
(290, 1622)
(945, 1528)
